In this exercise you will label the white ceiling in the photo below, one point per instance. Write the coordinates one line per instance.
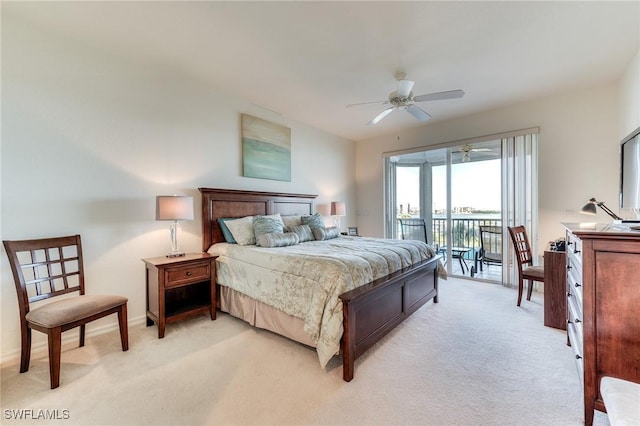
(307, 60)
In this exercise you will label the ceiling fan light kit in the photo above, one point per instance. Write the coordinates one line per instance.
(403, 99)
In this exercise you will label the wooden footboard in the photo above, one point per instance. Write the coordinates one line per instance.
(371, 311)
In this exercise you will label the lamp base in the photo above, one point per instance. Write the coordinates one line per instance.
(175, 254)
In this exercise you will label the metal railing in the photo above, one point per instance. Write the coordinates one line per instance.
(465, 232)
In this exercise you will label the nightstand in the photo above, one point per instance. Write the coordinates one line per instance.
(180, 287)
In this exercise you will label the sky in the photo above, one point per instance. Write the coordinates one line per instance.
(475, 184)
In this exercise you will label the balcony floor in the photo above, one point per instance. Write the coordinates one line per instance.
(489, 273)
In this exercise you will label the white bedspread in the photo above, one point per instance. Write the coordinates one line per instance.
(305, 280)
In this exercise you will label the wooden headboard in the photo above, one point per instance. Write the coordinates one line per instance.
(217, 203)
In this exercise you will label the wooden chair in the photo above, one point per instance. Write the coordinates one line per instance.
(52, 267)
(526, 270)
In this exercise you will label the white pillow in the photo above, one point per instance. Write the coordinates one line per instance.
(242, 230)
(290, 221)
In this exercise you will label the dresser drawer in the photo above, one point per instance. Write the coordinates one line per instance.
(181, 275)
(574, 313)
(575, 338)
(574, 249)
(574, 284)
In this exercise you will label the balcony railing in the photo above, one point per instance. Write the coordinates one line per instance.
(465, 232)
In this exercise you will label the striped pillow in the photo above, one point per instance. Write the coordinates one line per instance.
(278, 239)
(303, 232)
(322, 234)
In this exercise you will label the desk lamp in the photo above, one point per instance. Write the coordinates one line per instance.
(174, 208)
(590, 208)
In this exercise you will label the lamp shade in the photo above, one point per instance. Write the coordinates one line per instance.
(338, 208)
(174, 207)
(590, 207)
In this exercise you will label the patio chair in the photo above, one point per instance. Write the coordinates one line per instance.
(51, 267)
(413, 229)
(490, 252)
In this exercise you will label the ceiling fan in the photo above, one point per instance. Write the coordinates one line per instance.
(466, 151)
(403, 99)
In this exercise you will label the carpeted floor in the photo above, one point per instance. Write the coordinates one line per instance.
(472, 359)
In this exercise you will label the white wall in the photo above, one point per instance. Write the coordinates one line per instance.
(630, 98)
(578, 155)
(89, 138)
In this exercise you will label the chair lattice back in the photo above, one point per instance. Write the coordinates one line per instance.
(521, 245)
(413, 229)
(46, 268)
(491, 243)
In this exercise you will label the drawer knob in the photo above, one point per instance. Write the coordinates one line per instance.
(578, 357)
(576, 251)
(568, 321)
(568, 294)
(188, 273)
(577, 321)
(569, 243)
(578, 285)
(568, 267)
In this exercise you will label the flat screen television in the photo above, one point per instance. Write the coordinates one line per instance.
(630, 176)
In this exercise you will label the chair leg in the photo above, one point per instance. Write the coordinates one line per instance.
(25, 355)
(82, 329)
(530, 289)
(124, 330)
(55, 338)
(520, 288)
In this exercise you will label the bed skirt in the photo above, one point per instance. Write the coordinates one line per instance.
(262, 316)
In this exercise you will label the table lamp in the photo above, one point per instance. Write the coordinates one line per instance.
(338, 209)
(174, 208)
(590, 208)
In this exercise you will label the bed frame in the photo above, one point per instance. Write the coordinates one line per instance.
(369, 311)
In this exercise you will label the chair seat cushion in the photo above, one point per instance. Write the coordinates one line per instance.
(73, 309)
(533, 272)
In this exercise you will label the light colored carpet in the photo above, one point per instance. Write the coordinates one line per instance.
(474, 358)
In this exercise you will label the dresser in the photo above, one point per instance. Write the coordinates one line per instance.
(603, 306)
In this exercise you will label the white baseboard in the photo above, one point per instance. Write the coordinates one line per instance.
(70, 338)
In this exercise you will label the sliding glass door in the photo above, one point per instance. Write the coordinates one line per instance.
(468, 194)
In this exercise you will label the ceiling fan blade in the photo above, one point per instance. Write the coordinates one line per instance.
(404, 88)
(451, 94)
(380, 116)
(368, 103)
(418, 112)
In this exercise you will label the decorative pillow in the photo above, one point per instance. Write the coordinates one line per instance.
(228, 237)
(291, 221)
(314, 221)
(278, 239)
(267, 225)
(242, 230)
(322, 234)
(303, 232)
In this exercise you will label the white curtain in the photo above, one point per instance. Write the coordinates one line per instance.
(519, 197)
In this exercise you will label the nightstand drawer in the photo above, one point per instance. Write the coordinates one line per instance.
(181, 275)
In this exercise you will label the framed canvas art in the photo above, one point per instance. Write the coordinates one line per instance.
(266, 149)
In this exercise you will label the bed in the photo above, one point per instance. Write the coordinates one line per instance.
(369, 311)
